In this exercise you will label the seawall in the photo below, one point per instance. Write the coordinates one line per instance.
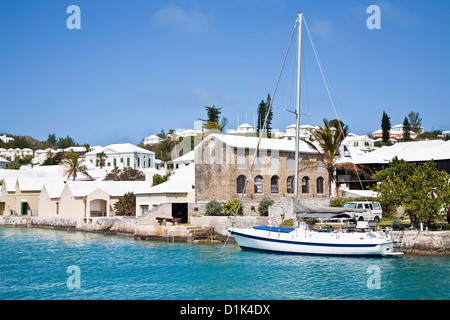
(210, 229)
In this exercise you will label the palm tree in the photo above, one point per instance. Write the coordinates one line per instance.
(72, 162)
(327, 140)
(101, 157)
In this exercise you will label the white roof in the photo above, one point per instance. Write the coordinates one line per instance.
(120, 148)
(185, 157)
(54, 188)
(113, 188)
(36, 184)
(3, 160)
(242, 142)
(181, 181)
(245, 125)
(408, 151)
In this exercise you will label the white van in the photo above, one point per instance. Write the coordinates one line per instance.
(372, 210)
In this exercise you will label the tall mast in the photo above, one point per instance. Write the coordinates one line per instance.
(297, 111)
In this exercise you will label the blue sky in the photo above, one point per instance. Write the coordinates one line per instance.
(137, 66)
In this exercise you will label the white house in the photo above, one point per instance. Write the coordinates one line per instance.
(6, 139)
(3, 162)
(123, 155)
(153, 139)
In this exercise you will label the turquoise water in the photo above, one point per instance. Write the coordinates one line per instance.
(34, 265)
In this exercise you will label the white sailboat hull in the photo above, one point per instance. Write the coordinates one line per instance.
(312, 242)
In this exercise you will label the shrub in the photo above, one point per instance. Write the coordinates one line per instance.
(264, 206)
(230, 207)
(214, 208)
(126, 206)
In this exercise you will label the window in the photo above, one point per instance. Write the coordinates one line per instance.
(290, 184)
(259, 162)
(319, 184)
(115, 162)
(258, 184)
(290, 163)
(274, 163)
(240, 183)
(305, 185)
(274, 184)
(128, 162)
(305, 159)
(320, 165)
(241, 160)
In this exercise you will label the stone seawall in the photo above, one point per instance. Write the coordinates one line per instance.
(210, 228)
(422, 242)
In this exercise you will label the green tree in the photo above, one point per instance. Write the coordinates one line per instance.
(213, 121)
(101, 158)
(125, 174)
(51, 140)
(74, 165)
(385, 127)
(327, 143)
(406, 130)
(158, 179)
(421, 189)
(126, 206)
(263, 109)
(415, 121)
(66, 142)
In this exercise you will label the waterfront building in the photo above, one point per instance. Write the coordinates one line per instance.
(222, 163)
(170, 198)
(20, 196)
(86, 199)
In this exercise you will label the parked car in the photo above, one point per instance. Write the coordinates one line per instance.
(372, 210)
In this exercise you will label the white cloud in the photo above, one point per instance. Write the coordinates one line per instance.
(192, 22)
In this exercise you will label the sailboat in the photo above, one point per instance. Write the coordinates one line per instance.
(302, 238)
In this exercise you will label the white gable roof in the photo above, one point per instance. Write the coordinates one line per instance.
(120, 148)
(242, 142)
(408, 151)
(113, 188)
(180, 182)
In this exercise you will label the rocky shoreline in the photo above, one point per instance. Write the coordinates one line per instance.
(209, 229)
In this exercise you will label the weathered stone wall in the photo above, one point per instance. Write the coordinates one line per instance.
(422, 242)
(216, 173)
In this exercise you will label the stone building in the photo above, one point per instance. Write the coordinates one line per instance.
(222, 163)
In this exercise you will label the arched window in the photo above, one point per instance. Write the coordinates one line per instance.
(305, 159)
(290, 163)
(274, 163)
(258, 184)
(240, 183)
(128, 162)
(290, 184)
(274, 188)
(319, 184)
(305, 185)
(115, 162)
